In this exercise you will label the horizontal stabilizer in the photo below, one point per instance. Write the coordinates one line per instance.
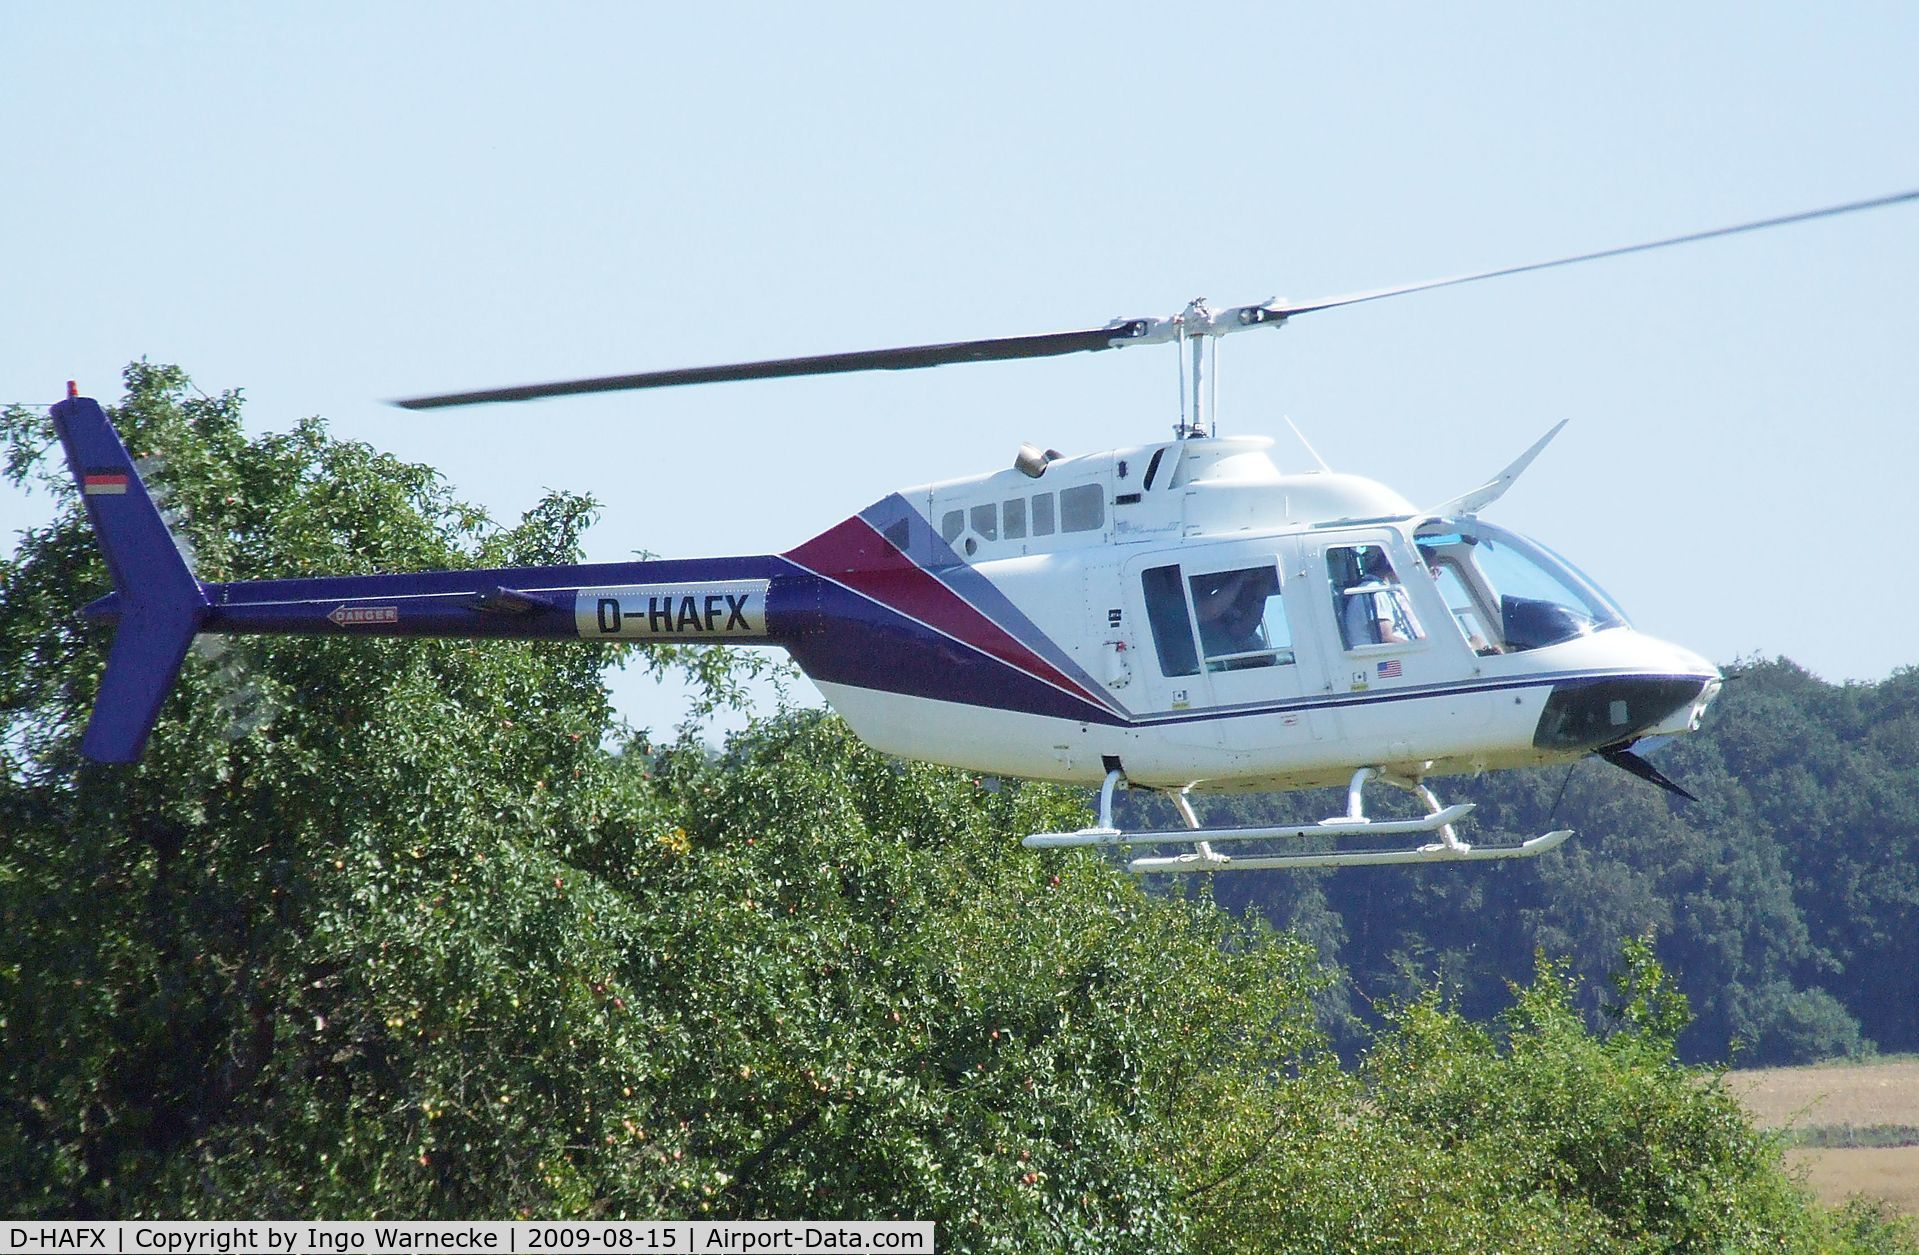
(502, 600)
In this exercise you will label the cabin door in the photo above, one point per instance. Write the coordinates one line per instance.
(1218, 654)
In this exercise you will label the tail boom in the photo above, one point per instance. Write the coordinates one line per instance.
(742, 601)
(158, 606)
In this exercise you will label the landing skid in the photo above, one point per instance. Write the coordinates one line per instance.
(1204, 858)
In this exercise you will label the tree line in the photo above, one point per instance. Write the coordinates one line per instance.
(1786, 897)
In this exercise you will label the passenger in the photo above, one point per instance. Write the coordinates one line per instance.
(1370, 614)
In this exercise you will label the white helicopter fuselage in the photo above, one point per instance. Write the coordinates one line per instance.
(1172, 616)
(1107, 566)
(1175, 616)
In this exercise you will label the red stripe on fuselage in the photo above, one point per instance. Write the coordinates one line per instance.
(853, 553)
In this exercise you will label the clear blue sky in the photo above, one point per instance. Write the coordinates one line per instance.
(328, 205)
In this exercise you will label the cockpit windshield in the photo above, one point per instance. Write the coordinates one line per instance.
(1507, 593)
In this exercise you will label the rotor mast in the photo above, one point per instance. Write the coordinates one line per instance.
(1197, 330)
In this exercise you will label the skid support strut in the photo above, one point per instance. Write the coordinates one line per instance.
(1438, 820)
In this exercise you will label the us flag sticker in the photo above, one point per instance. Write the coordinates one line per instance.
(1389, 670)
(103, 484)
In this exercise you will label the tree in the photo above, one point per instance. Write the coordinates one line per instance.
(503, 970)
(184, 939)
(1786, 896)
(387, 929)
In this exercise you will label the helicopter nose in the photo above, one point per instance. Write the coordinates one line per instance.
(1669, 696)
(1686, 718)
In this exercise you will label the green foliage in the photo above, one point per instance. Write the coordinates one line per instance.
(1787, 896)
(1603, 1122)
(1867, 1227)
(183, 944)
(421, 945)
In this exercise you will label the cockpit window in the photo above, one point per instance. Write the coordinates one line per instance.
(1455, 589)
(1508, 593)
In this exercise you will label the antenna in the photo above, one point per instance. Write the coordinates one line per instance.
(1308, 444)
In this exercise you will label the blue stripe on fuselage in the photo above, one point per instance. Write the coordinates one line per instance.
(1457, 689)
(933, 555)
(864, 644)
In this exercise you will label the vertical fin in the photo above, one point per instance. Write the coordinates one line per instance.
(160, 605)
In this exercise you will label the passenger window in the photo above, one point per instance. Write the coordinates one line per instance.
(986, 521)
(952, 525)
(1043, 514)
(1172, 625)
(1082, 509)
(1372, 604)
(1242, 619)
(1012, 516)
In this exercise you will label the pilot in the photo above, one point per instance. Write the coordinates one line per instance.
(1230, 614)
(1370, 614)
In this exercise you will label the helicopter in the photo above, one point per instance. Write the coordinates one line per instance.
(1177, 616)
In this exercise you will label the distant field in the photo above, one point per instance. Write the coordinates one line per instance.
(1836, 1175)
(1857, 1094)
(1822, 1099)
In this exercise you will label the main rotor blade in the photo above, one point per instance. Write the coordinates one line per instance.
(1196, 321)
(1287, 309)
(911, 357)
